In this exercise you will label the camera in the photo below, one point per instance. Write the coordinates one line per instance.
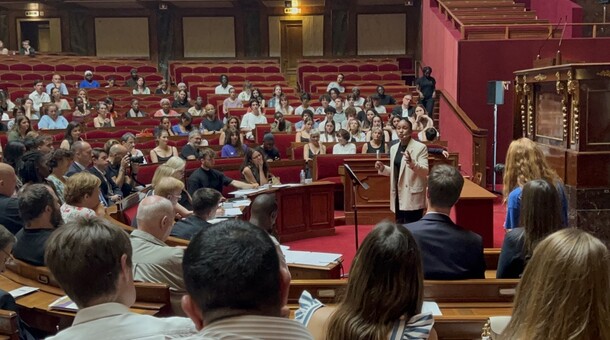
(137, 159)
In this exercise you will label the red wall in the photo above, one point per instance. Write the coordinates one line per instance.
(557, 10)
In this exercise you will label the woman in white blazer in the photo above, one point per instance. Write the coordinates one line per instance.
(408, 172)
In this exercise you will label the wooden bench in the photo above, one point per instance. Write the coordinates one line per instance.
(9, 325)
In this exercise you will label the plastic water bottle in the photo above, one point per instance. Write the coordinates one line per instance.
(302, 176)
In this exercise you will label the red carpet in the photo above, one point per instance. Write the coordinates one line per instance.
(343, 241)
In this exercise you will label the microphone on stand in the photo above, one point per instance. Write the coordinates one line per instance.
(558, 54)
(548, 37)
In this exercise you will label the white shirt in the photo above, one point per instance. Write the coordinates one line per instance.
(244, 96)
(335, 85)
(114, 321)
(250, 120)
(380, 109)
(223, 90)
(254, 327)
(347, 149)
(39, 99)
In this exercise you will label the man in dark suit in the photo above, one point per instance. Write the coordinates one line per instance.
(405, 109)
(9, 206)
(205, 204)
(449, 252)
(108, 189)
(82, 157)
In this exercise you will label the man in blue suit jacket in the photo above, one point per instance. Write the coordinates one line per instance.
(449, 252)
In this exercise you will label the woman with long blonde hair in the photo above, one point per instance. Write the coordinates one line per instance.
(565, 290)
(525, 161)
(384, 294)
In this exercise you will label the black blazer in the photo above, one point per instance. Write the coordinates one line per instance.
(73, 169)
(448, 251)
(397, 111)
(9, 216)
(106, 180)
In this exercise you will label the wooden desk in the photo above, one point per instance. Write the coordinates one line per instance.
(474, 211)
(304, 211)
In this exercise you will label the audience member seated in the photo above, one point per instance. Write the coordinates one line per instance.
(88, 82)
(82, 157)
(405, 109)
(181, 87)
(284, 106)
(165, 124)
(110, 83)
(304, 134)
(210, 122)
(384, 99)
(172, 188)
(133, 79)
(110, 192)
(28, 109)
(376, 104)
(163, 87)
(33, 168)
(232, 146)
(57, 84)
(333, 94)
(140, 87)
(105, 294)
(163, 151)
(340, 117)
(52, 120)
(274, 101)
(3, 50)
(191, 149)
(123, 168)
(231, 102)
(224, 86)
(246, 92)
(525, 161)
(330, 113)
(110, 105)
(449, 252)
(62, 104)
(271, 153)
(564, 292)
(184, 126)
(378, 123)
(376, 144)
(20, 129)
(391, 128)
(324, 104)
(280, 124)
(421, 120)
(154, 261)
(103, 118)
(384, 294)
(336, 84)
(206, 177)
(128, 140)
(39, 96)
(82, 93)
(307, 114)
(358, 100)
(174, 167)
(252, 118)
(256, 94)
(81, 111)
(255, 169)
(197, 109)
(426, 87)
(165, 109)
(82, 195)
(314, 147)
(540, 217)
(344, 147)
(205, 204)
(58, 163)
(134, 111)
(355, 131)
(9, 205)
(328, 135)
(232, 123)
(237, 299)
(305, 99)
(182, 102)
(39, 210)
(350, 101)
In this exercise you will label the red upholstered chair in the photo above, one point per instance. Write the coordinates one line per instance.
(125, 123)
(105, 68)
(146, 69)
(120, 132)
(282, 143)
(146, 172)
(254, 69)
(348, 68)
(391, 76)
(19, 94)
(256, 77)
(328, 68)
(237, 78)
(271, 69)
(43, 68)
(219, 69)
(371, 76)
(276, 77)
(96, 144)
(124, 68)
(73, 77)
(10, 76)
(150, 144)
(32, 76)
(83, 68)
(181, 70)
(64, 68)
(367, 68)
(388, 67)
(201, 69)
(130, 213)
(153, 78)
(237, 69)
(3, 67)
(20, 67)
(92, 134)
(192, 78)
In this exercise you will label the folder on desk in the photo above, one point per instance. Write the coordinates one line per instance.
(64, 304)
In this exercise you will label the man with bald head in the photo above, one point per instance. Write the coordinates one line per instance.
(153, 260)
(120, 168)
(9, 205)
(82, 157)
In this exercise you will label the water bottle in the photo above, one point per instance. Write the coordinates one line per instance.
(302, 176)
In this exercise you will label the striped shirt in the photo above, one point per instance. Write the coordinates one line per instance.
(253, 327)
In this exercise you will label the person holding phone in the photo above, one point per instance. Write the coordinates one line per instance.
(408, 173)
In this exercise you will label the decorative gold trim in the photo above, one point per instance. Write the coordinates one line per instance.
(604, 73)
(540, 77)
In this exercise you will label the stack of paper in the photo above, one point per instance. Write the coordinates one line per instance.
(310, 258)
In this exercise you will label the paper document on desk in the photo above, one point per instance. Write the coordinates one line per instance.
(238, 203)
(431, 307)
(231, 212)
(64, 304)
(246, 192)
(22, 291)
(310, 258)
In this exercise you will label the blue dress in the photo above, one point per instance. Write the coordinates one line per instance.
(417, 327)
(513, 207)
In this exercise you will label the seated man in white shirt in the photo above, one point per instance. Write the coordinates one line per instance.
(91, 260)
(155, 261)
(56, 83)
(224, 86)
(240, 291)
(337, 84)
(250, 119)
(38, 96)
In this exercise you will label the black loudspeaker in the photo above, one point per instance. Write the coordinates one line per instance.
(495, 92)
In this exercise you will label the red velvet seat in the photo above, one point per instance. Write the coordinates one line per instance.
(147, 69)
(201, 69)
(43, 68)
(254, 69)
(20, 67)
(64, 68)
(237, 69)
(256, 77)
(124, 68)
(32, 76)
(105, 68)
(387, 67)
(219, 69)
(367, 68)
(328, 68)
(348, 68)
(10, 76)
(272, 69)
(83, 68)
